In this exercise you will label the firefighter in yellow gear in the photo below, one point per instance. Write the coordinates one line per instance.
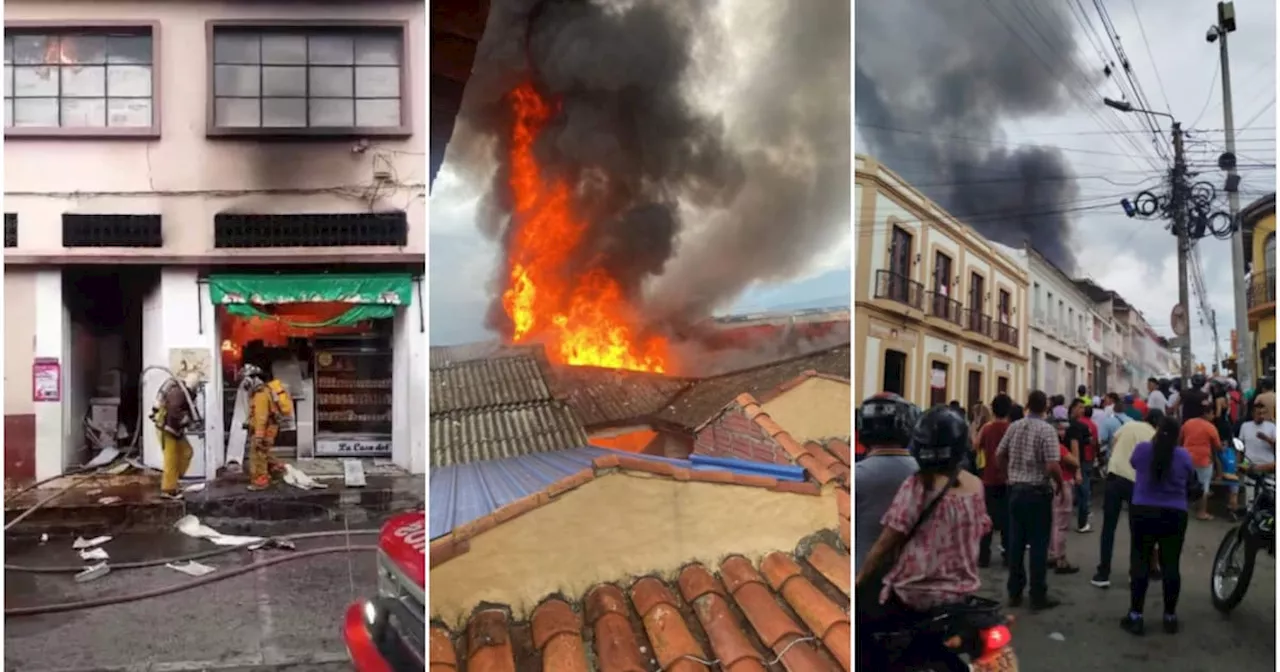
(172, 416)
(263, 425)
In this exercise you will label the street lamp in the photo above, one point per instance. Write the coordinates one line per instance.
(1126, 106)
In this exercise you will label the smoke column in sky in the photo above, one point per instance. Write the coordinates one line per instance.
(687, 202)
(935, 81)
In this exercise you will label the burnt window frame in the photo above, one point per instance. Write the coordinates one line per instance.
(96, 27)
(306, 240)
(87, 243)
(353, 26)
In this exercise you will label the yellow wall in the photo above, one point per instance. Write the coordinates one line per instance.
(1266, 333)
(816, 409)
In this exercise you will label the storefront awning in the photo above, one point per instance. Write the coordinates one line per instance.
(371, 296)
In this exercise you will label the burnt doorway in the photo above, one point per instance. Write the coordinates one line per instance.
(104, 357)
(895, 373)
(974, 392)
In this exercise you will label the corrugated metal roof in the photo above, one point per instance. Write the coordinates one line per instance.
(485, 383)
(602, 397)
(707, 396)
(461, 493)
(440, 356)
(474, 435)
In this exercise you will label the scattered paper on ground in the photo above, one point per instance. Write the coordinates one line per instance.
(191, 568)
(194, 487)
(94, 554)
(191, 526)
(81, 543)
(295, 477)
(108, 501)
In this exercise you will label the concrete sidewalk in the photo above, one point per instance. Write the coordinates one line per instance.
(108, 504)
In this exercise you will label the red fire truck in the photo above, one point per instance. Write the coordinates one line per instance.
(386, 633)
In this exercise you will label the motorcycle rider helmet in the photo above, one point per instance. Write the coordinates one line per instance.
(940, 440)
(886, 419)
(1198, 381)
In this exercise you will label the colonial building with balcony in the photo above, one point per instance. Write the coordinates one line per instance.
(1259, 220)
(1061, 324)
(939, 313)
(194, 185)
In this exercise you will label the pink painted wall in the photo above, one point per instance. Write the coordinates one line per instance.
(130, 176)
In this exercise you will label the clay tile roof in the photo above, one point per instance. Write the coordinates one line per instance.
(603, 397)
(440, 356)
(485, 383)
(825, 461)
(460, 437)
(473, 497)
(791, 609)
(705, 397)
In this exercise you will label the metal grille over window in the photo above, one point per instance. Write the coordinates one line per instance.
(112, 231)
(10, 229)
(383, 229)
(332, 79)
(93, 80)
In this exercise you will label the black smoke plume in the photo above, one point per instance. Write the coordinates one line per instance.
(684, 208)
(935, 82)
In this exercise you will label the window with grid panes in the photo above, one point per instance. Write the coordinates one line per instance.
(78, 79)
(314, 78)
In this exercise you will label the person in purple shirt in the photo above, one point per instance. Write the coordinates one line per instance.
(1158, 521)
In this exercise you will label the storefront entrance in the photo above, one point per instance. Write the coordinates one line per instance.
(330, 340)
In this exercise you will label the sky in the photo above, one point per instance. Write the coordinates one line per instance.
(725, 84)
(1171, 61)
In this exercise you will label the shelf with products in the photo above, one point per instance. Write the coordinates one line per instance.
(353, 391)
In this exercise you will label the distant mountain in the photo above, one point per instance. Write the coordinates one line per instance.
(827, 290)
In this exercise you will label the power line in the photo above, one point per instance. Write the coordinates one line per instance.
(1213, 83)
(1155, 68)
(994, 143)
(1260, 112)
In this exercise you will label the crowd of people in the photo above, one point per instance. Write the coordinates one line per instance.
(934, 490)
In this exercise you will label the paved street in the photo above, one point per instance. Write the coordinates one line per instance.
(1089, 618)
(289, 613)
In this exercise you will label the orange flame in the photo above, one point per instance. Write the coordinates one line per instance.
(585, 320)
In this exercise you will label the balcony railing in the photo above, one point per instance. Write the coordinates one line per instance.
(977, 322)
(943, 307)
(899, 288)
(1262, 289)
(1007, 334)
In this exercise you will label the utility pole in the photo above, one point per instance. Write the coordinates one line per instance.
(1244, 357)
(1181, 227)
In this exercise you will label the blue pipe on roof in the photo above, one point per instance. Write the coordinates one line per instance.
(778, 471)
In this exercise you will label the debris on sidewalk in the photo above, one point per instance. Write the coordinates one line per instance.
(44, 538)
(191, 568)
(191, 526)
(94, 554)
(195, 487)
(353, 473)
(108, 501)
(81, 543)
(274, 543)
(95, 572)
(295, 477)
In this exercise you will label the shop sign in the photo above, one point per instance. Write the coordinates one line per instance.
(352, 447)
(46, 379)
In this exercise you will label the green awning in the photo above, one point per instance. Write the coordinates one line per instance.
(373, 296)
(386, 289)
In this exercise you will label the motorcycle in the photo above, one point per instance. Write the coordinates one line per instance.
(1233, 564)
(972, 635)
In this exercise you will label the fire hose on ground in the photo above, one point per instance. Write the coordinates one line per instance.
(201, 555)
(169, 590)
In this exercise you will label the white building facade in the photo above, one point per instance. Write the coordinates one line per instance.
(1061, 326)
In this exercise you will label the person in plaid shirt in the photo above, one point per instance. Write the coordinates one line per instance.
(1030, 453)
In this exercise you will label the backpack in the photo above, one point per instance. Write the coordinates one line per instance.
(283, 402)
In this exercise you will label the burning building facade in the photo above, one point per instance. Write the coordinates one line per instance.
(198, 185)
